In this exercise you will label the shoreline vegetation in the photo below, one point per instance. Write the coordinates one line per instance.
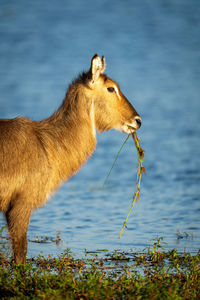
(156, 273)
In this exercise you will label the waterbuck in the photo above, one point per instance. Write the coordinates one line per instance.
(37, 156)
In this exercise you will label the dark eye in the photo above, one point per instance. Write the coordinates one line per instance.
(111, 89)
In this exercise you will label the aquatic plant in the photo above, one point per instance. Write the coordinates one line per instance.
(153, 274)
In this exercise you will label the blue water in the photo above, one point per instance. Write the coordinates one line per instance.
(153, 51)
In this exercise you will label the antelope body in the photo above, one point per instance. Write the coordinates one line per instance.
(36, 157)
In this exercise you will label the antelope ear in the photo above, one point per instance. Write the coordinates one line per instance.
(98, 66)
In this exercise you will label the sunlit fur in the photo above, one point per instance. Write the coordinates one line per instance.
(36, 157)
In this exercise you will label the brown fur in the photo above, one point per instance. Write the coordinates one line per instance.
(36, 157)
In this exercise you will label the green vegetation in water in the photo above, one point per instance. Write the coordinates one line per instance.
(46, 239)
(154, 274)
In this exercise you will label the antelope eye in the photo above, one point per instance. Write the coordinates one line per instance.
(111, 89)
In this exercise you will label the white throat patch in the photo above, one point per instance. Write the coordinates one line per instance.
(92, 117)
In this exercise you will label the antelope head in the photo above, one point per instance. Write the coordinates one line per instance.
(112, 110)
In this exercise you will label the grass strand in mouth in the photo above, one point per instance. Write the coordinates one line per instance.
(115, 160)
(140, 170)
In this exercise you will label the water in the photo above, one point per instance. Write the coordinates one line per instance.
(152, 51)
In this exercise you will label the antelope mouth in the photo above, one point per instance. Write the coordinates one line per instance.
(133, 126)
(129, 129)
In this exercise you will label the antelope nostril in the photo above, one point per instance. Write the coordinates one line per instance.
(138, 121)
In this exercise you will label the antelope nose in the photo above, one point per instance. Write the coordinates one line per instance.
(138, 121)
